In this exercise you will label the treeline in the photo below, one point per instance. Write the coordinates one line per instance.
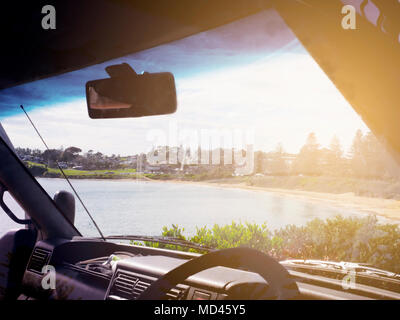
(367, 158)
(71, 157)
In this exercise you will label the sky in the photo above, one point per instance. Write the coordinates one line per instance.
(251, 78)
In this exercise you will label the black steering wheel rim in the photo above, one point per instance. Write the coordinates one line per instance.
(278, 278)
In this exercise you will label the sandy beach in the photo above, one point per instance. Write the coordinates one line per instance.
(387, 208)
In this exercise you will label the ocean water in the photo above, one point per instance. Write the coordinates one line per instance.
(141, 207)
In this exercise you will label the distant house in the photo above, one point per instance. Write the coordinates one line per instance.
(195, 169)
(130, 161)
(63, 165)
(152, 169)
(38, 159)
(27, 158)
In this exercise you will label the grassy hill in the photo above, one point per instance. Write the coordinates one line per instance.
(43, 171)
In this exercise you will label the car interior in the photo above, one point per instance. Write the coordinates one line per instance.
(363, 64)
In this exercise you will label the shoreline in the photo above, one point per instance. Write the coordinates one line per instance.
(386, 208)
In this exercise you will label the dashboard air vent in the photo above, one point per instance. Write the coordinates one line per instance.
(40, 257)
(139, 288)
(123, 285)
(131, 286)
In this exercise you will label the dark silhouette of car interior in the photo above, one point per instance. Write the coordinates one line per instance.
(100, 269)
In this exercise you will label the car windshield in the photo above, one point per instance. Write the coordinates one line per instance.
(263, 151)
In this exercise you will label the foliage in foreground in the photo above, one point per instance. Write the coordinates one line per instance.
(337, 239)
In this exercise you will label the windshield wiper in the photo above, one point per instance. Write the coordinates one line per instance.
(359, 268)
(162, 239)
(364, 274)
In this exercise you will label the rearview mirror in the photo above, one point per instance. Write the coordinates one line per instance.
(129, 94)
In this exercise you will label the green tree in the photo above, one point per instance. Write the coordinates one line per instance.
(51, 156)
(308, 160)
(333, 161)
(358, 164)
(70, 154)
(278, 165)
(259, 158)
(374, 154)
(369, 159)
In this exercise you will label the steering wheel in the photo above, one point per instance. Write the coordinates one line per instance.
(281, 285)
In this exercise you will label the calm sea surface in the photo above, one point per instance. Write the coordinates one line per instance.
(138, 207)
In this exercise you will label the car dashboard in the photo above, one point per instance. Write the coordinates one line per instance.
(88, 269)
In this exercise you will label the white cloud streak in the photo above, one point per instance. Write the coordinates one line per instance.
(282, 98)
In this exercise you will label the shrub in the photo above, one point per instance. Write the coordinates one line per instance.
(337, 239)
